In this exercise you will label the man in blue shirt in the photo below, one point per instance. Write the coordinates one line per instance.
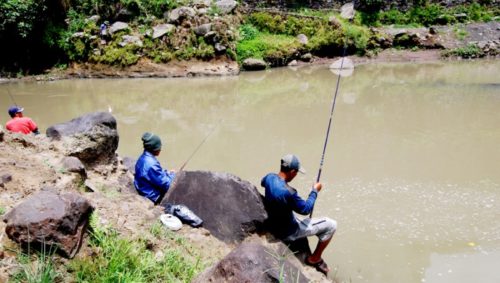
(150, 180)
(282, 200)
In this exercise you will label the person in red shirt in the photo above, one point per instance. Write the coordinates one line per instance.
(19, 123)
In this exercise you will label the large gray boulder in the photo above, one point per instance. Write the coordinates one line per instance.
(93, 138)
(252, 64)
(118, 26)
(161, 30)
(252, 262)
(226, 6)
(181, 13)
(203, 29)
(46, 218)
(230, 207)
(130, 39)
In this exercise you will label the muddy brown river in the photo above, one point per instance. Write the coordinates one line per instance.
(412, 170)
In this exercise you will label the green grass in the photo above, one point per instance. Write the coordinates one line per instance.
(431, 14)
(2, 210)
(469, 51)
(36, 268)
(270, 47)
(122, 260)
(460, 33)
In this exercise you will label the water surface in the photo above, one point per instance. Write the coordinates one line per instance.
(411, 172)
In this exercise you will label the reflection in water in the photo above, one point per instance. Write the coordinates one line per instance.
(411, 171)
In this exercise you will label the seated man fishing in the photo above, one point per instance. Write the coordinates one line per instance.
(19, 123)
(282, 200)
(150, 180)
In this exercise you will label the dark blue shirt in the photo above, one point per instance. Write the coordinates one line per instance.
(151, 180)
(281, 201)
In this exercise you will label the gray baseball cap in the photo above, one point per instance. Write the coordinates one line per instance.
(292, 162)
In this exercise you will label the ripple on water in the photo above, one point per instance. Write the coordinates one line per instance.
(421, 212)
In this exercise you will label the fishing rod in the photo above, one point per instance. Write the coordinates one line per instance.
(348, 12)
(11, 97)
(199, 146)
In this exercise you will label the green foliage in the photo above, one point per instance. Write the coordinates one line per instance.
(460, 33)
(291, 25)
(139, 8)
(2, 210)
(115, 55)
(77, 48)
(36, 268)
(469, 51)
(393, 16)
(21, 16)
(273, 48)
(121, 260)
(248, 32)
(324, 39)
(427, 15)
(357, 36)
(432, 14)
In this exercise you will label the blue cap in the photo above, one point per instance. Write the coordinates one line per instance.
(13, 110)
(292, 162)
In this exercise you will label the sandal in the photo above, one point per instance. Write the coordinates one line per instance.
(320, 266)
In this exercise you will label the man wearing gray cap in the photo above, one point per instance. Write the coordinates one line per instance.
(282, 200)
(150, 180)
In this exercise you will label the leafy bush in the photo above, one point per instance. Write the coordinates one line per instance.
(247, 32)
(431, 14)
(271, 47)
(469, 51)
(77, 48)
(114, 55)
(291, 25)
(21, 16)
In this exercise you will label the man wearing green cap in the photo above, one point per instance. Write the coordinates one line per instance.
(282, 201)
(150, 180)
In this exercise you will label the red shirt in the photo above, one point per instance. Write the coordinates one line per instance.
(21, 125)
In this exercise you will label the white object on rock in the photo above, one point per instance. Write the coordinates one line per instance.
(171, 222)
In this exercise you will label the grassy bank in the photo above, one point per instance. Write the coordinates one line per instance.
(113, 258)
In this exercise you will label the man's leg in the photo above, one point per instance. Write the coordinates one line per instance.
(323, 228)
(316, 256)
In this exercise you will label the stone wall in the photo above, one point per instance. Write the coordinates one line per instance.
(329, 4)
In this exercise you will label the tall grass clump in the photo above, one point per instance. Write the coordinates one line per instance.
(36, 268)
(122, 260)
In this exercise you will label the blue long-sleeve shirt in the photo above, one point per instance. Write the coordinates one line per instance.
(150, 179)
(281, 201)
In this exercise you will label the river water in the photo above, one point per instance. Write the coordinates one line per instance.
(412, 170)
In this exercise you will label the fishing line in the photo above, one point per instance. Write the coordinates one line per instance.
(199, 146)
(11, 97)
(332, 110)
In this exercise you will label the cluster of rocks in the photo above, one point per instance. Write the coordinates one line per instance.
(204, 18)
(488, 48)
(57, 215)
